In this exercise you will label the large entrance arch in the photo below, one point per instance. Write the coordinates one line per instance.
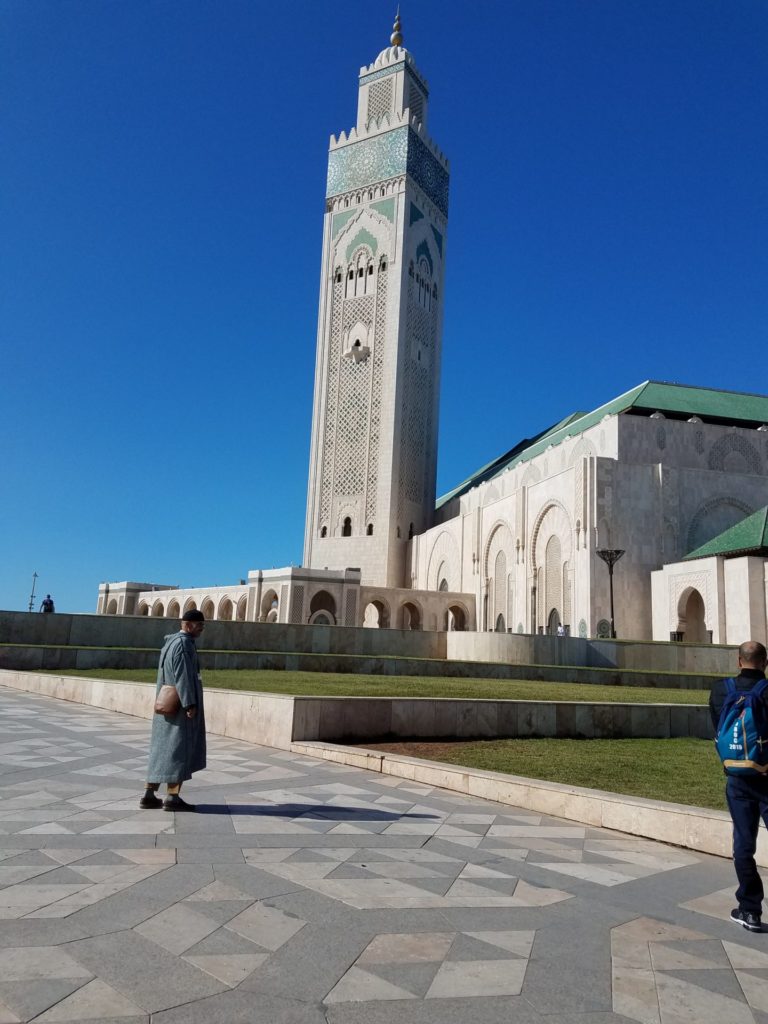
(553, 621)
(691, 618)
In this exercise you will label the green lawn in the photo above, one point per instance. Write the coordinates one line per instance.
(330, 684)
(684, 771)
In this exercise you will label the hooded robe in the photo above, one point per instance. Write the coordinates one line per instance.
(177, 746)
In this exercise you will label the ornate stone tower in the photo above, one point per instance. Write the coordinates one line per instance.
(377, 374)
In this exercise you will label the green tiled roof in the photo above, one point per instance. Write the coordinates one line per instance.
(674, 400)
(749, 537)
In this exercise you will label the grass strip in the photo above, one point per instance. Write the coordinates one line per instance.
(683, 771)
(329, 684)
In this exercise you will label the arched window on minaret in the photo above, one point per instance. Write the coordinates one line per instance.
(346, 529)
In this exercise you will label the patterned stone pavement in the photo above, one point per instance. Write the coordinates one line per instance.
(311, 892)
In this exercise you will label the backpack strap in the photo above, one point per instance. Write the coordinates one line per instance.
(759, 688)
(730, 686)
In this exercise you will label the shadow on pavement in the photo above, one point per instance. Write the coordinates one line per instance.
(309, 811)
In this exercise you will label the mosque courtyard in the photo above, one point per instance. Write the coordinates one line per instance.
(305, 891)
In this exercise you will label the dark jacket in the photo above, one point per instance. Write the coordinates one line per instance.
(744, 681)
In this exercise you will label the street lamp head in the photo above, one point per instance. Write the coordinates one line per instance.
(610, 555)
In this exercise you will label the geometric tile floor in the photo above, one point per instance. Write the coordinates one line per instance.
(309, 892)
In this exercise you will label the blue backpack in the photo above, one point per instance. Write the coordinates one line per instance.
(742, 731)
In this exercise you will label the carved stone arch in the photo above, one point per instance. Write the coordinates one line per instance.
(532, 475)
(456, 617)
(443, 562)
(499, 538)
(582, 448)
(732, 452)
(713, 517)
(366, 229)
(553, 519)
(377, 613)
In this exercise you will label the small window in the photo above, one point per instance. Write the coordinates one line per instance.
(360, 272)
(398, 533)
(351, 274)
(383, 264)
(410, 532)
(370, 269)
(346, 530)
(338, 276)
(324, 531)
(369, 530)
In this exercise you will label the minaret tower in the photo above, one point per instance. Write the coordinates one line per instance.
(377, 374)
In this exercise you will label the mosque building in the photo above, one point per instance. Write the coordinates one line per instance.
(668, 483)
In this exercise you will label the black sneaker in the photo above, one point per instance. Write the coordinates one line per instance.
(175, 803)
(149, 802)
(747, 920)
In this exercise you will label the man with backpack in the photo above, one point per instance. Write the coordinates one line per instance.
(739, 710)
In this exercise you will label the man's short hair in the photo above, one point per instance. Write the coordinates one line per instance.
(193, 615)
(752, 652)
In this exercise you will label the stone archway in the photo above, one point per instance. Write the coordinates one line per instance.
(456, 619)
(376, 615)
(269, 606)
(112, 608)
(553, 621)
(410, 616)
(174, 611)
(324, 602)
(208, 609)
(225, 609)
(691, 617)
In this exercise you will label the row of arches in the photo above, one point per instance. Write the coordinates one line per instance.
(226, 609)
(409, 615)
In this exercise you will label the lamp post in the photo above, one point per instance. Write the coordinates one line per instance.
(32, 595)
(611, 556)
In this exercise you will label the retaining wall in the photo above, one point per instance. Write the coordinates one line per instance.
(277, 720)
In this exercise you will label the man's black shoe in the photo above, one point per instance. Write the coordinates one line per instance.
(149, 802)
(175, 803)
(747, 920)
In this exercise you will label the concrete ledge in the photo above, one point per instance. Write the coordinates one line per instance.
(264, 718)
(696, 828)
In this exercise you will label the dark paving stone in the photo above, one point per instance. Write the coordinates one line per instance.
(155, 979)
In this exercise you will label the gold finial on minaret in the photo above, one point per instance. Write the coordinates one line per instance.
(396, 39)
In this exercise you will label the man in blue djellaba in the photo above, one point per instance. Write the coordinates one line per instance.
(177, 745)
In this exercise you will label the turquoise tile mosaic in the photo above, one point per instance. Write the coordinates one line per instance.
(376, 159)
(386, 207)
(340, 219)
(362, 237)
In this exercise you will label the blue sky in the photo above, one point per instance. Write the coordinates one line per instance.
(162, 173)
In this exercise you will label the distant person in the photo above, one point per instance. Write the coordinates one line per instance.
(747, 796)
(177, 745)
(560, 629)
(46, 605)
